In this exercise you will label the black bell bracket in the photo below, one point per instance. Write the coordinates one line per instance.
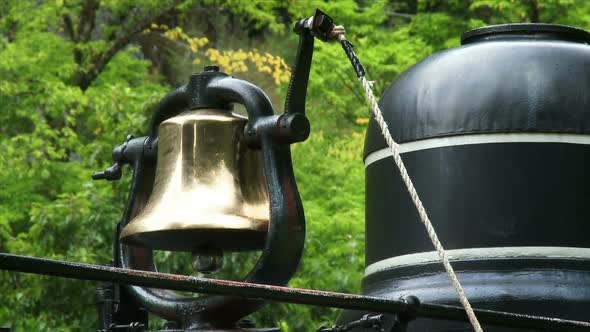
(270, 133)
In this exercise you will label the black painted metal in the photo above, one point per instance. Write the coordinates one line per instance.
(272, 134)
(297, 92)
(321, 25)
(542, 287)
(171, 105)
(127, 153)
(287, 227)
(106, 302)
(284, 243)
(524, 82)
(522, 78)
(410, 307)
(368, 321)
(526, 31)
(198, 86)
(509, 194)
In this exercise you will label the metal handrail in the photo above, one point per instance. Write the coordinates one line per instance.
(408, 308)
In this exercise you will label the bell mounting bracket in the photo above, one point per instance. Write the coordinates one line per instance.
(270, 133)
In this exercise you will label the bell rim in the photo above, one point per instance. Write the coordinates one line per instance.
(205, 239)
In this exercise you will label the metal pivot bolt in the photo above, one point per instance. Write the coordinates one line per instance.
(114, 172)
(211, 68)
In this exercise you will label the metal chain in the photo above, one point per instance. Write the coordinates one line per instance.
(394, 148)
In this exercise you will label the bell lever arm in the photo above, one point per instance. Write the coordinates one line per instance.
(293, 126)
(296, 94)
(319, 25)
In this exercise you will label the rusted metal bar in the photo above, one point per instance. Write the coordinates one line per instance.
(283, 294)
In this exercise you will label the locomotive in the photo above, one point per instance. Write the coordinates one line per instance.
(494, 134)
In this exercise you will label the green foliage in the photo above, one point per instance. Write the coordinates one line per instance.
(53, 135)
(77, 76)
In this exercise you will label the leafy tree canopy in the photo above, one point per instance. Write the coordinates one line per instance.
(77, 76)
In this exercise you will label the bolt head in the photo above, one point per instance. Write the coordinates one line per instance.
(211, 68)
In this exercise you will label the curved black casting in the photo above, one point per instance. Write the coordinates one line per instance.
(266, 131)
(286, 234)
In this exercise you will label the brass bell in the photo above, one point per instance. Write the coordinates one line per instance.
(209, 192)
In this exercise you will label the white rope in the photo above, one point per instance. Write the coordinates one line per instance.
(394, 147)
(338, 33)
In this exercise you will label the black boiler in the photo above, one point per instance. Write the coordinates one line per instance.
(496, 137)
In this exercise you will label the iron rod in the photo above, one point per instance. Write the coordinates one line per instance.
(275, 293)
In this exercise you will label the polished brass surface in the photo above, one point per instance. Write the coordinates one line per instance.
(209, 190)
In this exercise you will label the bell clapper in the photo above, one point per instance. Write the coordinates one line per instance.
(208, 260)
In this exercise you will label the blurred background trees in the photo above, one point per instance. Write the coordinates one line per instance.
(76, 76)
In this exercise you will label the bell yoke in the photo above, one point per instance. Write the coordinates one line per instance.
(222, 183)
(208, 180)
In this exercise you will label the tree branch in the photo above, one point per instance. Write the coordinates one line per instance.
(91, 25)
(86, 20)
(100, 60)
(69, 27)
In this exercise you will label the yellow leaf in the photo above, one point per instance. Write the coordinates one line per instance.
(362, 121)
